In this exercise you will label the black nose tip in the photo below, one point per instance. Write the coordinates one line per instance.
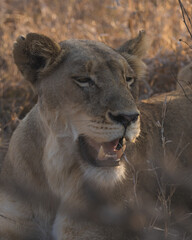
(123, 118)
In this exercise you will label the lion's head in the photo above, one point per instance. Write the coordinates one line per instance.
(87, 99)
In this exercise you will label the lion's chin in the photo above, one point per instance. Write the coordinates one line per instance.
(105, 154)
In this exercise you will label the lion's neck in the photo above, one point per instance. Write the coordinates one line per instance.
(60, 159)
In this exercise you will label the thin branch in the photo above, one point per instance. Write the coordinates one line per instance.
(184, 13)
(181, 40)
(182, 88)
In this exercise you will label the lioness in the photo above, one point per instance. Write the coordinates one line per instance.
(87, 145)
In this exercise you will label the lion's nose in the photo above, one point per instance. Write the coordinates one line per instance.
(124, 118)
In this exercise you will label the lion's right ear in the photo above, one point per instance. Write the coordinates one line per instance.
(137, 46)
(134, 50)
(36, 55)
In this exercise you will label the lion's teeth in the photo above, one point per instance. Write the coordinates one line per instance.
(121, 151)
(101, 154)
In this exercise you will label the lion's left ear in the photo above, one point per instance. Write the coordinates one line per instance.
(134, 50)
(36, 55)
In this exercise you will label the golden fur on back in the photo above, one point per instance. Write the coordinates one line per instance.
(50, 187)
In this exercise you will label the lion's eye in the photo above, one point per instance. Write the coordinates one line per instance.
(83, 81)
(130, 81)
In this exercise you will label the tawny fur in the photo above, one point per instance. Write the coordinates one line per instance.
(43, 178)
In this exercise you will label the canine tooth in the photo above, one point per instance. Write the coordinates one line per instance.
(123, 148)
(121, 151)
(101, 154)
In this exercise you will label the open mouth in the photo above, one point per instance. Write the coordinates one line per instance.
(106, 154)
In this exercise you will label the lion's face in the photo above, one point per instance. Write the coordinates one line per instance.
(88, 99)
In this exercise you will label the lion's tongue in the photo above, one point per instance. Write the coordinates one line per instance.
(108, 150)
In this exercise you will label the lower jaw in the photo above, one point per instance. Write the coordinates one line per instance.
(104, 177)
(85, 152)
(108, 163)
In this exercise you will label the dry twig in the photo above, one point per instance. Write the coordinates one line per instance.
(186, 15)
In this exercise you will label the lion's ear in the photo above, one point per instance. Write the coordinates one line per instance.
(134, 50)
(137, 46)
(35, 54)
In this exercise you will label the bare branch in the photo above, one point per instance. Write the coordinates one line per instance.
(185, 14)
(183, 89)
(185, 43)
